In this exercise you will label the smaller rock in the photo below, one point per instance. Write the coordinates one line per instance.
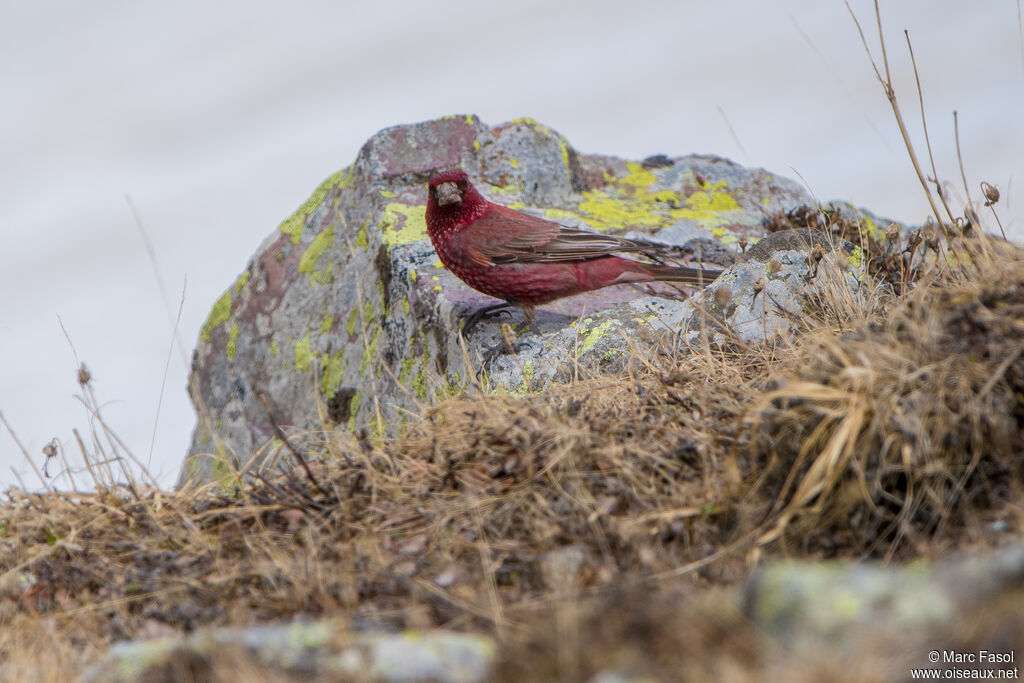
(810, 606)
(315, 650)
(777, 285)
(802, 240)
(561, 568)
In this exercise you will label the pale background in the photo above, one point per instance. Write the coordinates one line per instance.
(219, 119)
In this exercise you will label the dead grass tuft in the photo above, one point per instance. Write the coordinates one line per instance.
(887, 426)
(888, 435)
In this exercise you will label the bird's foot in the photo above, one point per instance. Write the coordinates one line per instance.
(478, 316)
(508, 346)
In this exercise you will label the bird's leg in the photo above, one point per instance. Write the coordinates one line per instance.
(471, 320)
(529, 315)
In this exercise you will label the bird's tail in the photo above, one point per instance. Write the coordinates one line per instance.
(692, 276)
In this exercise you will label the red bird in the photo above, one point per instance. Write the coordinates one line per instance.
(528, 261)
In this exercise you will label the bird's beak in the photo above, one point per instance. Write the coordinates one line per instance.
(448, 193)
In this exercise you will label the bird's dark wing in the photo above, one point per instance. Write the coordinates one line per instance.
(504, 236)
(572, 244)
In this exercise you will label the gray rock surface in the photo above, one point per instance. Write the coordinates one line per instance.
(344, 317)
(777, 282)
(811, 606)
(878, 617)
(312, 650)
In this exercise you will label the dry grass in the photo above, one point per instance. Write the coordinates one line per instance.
(890, 426)
(891, 433)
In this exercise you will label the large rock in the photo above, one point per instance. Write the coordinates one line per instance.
(345, 317)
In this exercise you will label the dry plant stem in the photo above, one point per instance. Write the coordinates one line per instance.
(995, 215)
(24, 452)
(924, 127)
(832, 72)
(697, 565)
(163, 381)
(67, 466)
(1020, 35)
(732, 131)
(890, 94)
(88, 462)
(156, 267)
(963, 175)
(94, 407)
(204, 414)
(487, 566)
(764, 315)
(88, 399)
(1001, 370)
(284, 439)
(903, 270)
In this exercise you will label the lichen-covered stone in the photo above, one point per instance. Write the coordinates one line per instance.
(345, 318)
(810, 606)
(770, 290)
(311, 650)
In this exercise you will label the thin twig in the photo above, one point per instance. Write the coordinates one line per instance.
(68, 472)
(115, 441)
(163, 381)
(735, 138)
(151, 253)
(854, 100)
(969, 213)
(890, 94)
(87, 460)
(88, 399)
(1020, 36)
(24, 452)
(284, 438)
(992, 208)
(924, 126)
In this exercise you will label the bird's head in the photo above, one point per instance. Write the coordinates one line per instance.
(453, 202)
(449, 188)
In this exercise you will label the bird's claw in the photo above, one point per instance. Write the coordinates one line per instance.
(502, 348)
(478, 316)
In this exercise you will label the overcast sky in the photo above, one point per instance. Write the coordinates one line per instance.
(219, 119)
